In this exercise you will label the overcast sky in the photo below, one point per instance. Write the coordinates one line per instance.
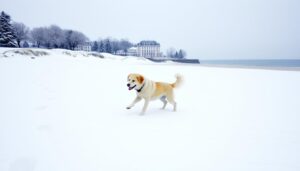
(206, 29)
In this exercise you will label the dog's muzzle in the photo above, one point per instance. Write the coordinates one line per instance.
(130, 88)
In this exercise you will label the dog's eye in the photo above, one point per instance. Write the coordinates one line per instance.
(133, 81)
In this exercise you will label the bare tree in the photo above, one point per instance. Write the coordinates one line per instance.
(21, 32)
(38, 36)
(56, 37)
(115, 46)
(171, 52)
(125, 44)
(74, 38)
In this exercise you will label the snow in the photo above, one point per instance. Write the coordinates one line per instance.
(62, 112)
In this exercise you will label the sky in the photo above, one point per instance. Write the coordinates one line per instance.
(205, 29)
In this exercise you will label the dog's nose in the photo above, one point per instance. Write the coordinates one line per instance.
(128, 85)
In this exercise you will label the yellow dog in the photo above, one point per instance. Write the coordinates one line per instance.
(151, 90)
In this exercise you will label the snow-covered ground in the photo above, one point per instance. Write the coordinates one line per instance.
(65, 111)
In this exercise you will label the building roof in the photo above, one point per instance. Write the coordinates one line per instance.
(148, 42)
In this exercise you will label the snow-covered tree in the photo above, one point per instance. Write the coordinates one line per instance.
(38, 36)
(7, 35)
(74, 38)
(115, 46)
(125, 44)
(55, 36)
(21, 32)
(181, 54)
(101, 46)
(176, 55)
(107, 46)
(25, 44)
(110, 45)
(171, 52)
(95, 46)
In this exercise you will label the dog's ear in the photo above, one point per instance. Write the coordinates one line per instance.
(140, 79)
(128, 76)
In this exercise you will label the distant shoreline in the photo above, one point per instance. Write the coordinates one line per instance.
(279, 65)
(270, 64)
(251, 67)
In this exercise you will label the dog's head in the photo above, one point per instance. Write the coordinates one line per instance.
(135, 81)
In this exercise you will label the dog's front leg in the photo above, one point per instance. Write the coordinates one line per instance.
(145, 106)
(137, 99)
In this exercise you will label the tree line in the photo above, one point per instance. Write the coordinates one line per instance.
(173, 53)
(110, 45)
(16, 34)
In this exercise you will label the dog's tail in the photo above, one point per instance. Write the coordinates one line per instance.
(178, 81)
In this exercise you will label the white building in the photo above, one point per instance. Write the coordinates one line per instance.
(148, 49)
(129, 52)
(132, 51)
(84, 47)
(121, 53)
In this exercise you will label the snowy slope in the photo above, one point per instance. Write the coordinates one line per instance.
(64, 113)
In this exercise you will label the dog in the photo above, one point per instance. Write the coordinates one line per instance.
(150, 90)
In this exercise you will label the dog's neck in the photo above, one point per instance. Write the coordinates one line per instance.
(139, 90)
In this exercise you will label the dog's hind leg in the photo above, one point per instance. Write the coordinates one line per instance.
(163, 99)
(171, 100)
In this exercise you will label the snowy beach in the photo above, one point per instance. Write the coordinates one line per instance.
(66, 111)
